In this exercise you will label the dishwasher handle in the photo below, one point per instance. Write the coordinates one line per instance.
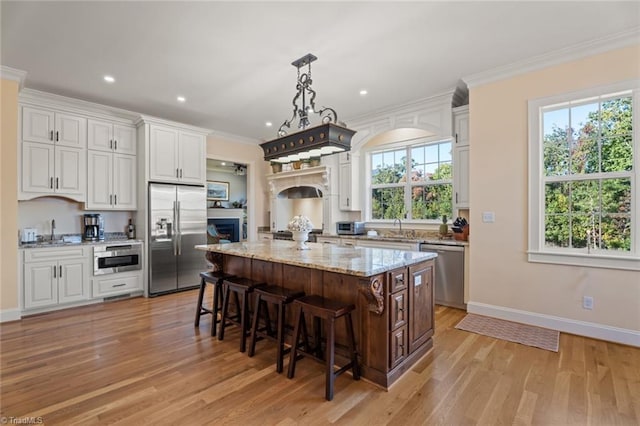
(440, 247)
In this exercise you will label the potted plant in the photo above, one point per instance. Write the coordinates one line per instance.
(314, 161)
(276, 167)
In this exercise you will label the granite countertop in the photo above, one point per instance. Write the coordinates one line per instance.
(66, 240)
(403, 239)
(360, 261)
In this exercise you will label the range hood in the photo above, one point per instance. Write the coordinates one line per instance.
(296, 192)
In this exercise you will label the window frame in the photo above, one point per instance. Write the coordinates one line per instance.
(537, 251)
(407, 146)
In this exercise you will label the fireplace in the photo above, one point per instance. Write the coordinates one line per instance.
(229, 226)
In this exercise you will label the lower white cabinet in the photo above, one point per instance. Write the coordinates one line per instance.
(113, 285)
(55, 276)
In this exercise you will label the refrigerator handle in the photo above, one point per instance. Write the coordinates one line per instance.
(174, 237)
(179, 230)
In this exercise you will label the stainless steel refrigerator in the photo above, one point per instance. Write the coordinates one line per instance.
(177, 221)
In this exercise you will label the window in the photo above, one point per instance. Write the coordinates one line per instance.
(583, 179)
(423, 194)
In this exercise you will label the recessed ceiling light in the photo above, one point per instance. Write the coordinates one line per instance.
(181, 99)
(363, 92)
(223, 163)
(109, 79)
(268, 124)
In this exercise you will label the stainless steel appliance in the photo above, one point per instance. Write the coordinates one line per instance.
(449, 274)
(350, 228)
(177, 221)
(93, 227)
(113, 258)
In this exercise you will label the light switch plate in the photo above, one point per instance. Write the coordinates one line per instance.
(488, 217)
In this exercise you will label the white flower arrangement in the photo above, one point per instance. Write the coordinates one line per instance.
(300, 223)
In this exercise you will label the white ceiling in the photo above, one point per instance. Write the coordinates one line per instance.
(231, 60)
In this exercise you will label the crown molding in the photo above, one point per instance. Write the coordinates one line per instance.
(8, 73)
(571, 53)
(235, 138)
(148, 119)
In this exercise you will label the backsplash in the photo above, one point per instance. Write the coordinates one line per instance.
(68, 215)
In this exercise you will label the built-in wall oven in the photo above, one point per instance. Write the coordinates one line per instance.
(117, 257)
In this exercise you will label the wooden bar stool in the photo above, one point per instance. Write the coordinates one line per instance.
(328, 310)
(215, 278)
(240, 286)
(280, 297)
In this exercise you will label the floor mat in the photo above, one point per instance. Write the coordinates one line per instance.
(512, 331)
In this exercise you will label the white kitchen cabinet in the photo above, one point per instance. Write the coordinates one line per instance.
(349, 178)
(461, 152)
(115, 284)
(176, 156)
(54, 276)
(49, 169)
(461, 176)
(112, 181)
(53, 127)
(111, 137)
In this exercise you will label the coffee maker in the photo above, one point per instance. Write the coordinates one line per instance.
(93, 227)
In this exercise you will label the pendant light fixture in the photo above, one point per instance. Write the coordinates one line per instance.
(308, 142)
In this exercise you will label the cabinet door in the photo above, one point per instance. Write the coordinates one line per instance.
(70, 130)
(461, 127)
(421, 279)
(100, 135)
(37, 125)
(461, 172)
(398, 309)
(124, 139)
(124, 182)
(37, 167)
(40, 284)
(346, 193)
(73, 280)
(192, 158)
(163, 154)
(70, 176)
(118, 285)
(398, 346)
(99, 180)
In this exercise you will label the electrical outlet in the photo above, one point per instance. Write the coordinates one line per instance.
(488, 217)
(587, 302)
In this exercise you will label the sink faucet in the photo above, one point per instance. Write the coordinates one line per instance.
(53, 229)
(399, 223)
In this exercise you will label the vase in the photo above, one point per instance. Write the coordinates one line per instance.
(300, 237)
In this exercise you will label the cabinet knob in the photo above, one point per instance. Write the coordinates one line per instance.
(51, 135)
(57, 182)
(57, 136)
(54, 271)
(115, 145)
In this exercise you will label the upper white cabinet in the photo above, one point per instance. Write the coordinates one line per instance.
(461, 154)
(349, 178)
(112, 181)
(176, 155)
(52, 127)
(111, 137)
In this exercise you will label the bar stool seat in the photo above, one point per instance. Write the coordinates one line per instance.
(329, 310)
(240, 286)
(280, 297)
(215, 278)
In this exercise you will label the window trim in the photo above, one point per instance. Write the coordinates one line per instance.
(406, 145)
(537, 252)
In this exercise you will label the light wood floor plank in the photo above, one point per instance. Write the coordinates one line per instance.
(141, 361)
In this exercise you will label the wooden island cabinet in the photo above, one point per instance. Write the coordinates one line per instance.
(391, 289)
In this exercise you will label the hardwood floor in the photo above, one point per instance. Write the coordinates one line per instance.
(142, 361)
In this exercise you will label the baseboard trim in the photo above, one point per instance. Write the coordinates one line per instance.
(10, 315)
(566, 325)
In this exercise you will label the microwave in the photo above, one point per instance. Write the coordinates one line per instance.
(350, 228)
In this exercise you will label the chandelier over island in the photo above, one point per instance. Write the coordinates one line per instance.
(308, 142)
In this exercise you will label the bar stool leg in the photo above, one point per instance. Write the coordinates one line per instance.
(294, 345)
(280, 312)
(217, 289)
(355, 367)
(330, 358)
(200, 297)
(244, 320)
(254, 326)
(225, 311)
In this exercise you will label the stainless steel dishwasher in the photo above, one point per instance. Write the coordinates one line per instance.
(449, 274)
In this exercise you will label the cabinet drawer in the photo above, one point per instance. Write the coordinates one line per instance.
(55, 254)
(116, 284)
(398, 346)
(397, 280)
(398, 309)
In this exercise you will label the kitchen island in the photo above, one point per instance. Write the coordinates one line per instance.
(391, 289)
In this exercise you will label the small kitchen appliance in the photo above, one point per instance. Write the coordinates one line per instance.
(29, 235)
(93, 227)
(350, 228)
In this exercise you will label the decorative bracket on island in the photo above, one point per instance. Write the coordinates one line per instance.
(373, 291)
(215, 259)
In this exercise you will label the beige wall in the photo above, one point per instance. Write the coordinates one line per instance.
(227, 149)
(499, 272)
(8, 195)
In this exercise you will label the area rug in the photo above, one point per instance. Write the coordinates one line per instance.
(512, 331)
